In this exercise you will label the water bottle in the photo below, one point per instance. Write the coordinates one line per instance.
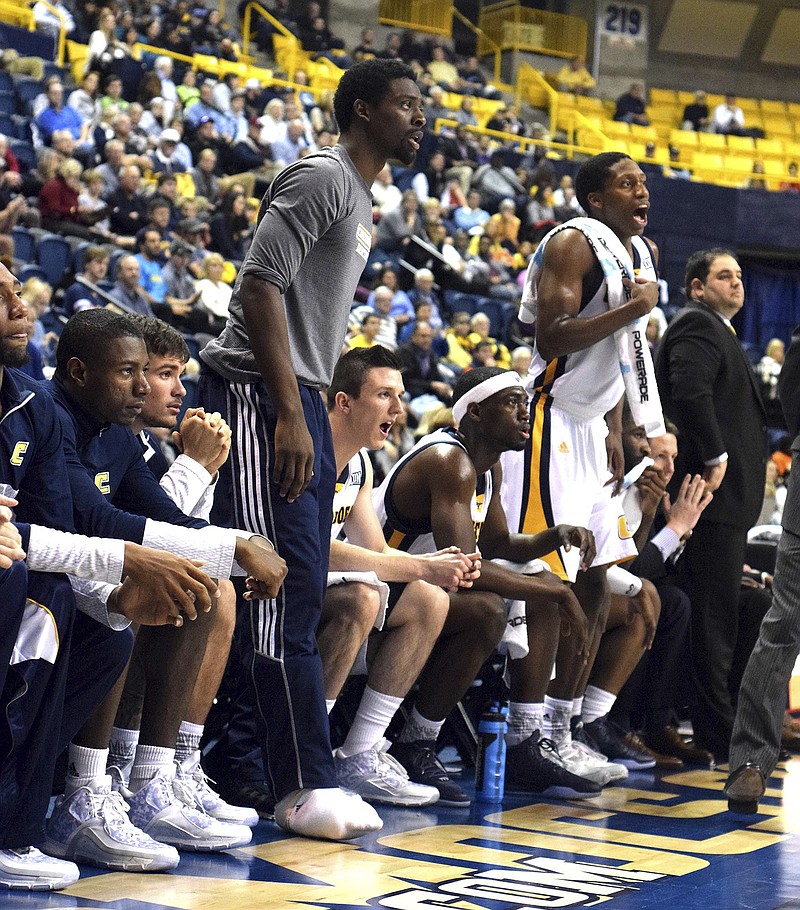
(490, 767)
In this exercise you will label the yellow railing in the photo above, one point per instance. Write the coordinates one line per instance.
(430, 16)
(247, 20)
(567, 149)
(531, 86)
(494, 49)
(61, 43)
(14, 14)
(514, 27)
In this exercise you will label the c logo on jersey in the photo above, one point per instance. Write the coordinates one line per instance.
(101, 481)
(19, 453)
(623, 529)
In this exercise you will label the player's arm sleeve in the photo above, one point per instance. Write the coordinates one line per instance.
(189, 485)
(91, 598)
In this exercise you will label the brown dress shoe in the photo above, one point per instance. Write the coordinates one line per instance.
(744, 788)
(668, 762)
(790, 734)
(668, 741)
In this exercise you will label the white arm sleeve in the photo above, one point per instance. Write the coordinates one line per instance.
(97, 558)
(91, 598)
(187, 483)
(621, 581)
(214, 546)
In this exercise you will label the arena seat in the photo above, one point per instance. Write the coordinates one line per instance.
(54, 255)
(24, 244)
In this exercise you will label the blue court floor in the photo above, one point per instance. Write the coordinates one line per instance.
(659, 841)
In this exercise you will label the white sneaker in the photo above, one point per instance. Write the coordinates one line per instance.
(330, 813)
(190, 775)
(92, 826)
(28, 869)
(583, 761)
(174, 815)
(380, 778)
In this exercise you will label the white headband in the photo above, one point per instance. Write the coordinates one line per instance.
(483, 390)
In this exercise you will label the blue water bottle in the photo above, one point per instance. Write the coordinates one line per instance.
(490, 767)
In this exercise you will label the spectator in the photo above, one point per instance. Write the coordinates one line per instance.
(273, 125)
(293, 146)
(402, 309)
(90, 200)
(164, 159)
(78, 296)
(104, 46)
(481, 326)
(215, 294)
(187, 91)
(458, 356)
(396, 228)
(379, 304)
(630, 106)
(471, 217)
(503, 227)
(85, 100)
(473, 81)
(385, 195)
(230, 228)
(128, 205)
(51, 17)
(574, 77)
(126, 291)
(756, 181)
(769, 370)
(59, 116)
(521, 360)
(442, 71)
(163, 68)
(729, 118)
(206, 182)
(696, 115)
(793, 184)
(420, 368)
(59, 208)
(112, 100)
(367, 337)
(423, 292)
(675, 168)
(461, 156)
(497, 181)
(366, 47)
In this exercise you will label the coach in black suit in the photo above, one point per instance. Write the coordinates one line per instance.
(709, 390)
(756, 738)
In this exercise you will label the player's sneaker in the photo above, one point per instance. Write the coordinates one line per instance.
(610, 739)
(92, 826)
(380, 778)
(174, 816)
(28, 869)
(330, 813)
(423, 767)
(582, 756)
(190, 776)
(534, 766)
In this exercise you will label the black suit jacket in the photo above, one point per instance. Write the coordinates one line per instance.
(708, 388)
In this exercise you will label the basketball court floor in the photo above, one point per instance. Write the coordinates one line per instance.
(663, 840)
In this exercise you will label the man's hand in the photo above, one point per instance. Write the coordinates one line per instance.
(451, 569)
(643, 294)
(10, 540)
(138, 604)
(204, 437)
(693, 496)
(652, 487)
(714, 474)
(570, 536)
(442, 389)
(169, 580)
(266, 569)
(294, 457)
(646, 604)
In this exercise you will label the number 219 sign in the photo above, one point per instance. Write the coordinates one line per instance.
(624, 20)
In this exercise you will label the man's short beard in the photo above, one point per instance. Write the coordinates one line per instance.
(17, 357)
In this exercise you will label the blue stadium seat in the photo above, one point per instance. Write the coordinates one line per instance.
(24, 244)
(27, 90)
(31, 271)
(6, 82)
(8, 103)
(24, 153)
(22, 127)
(53, 69)
(78, 255)
(114, 261)
(54, 255)
(7, 126)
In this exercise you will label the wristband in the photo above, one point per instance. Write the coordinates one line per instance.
(621, 581)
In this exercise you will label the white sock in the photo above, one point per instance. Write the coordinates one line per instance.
(189, 736)
(330, 813)
(596, 703)
(418, 727)
(577, 706)
(523, 719)
(375, 712)
(84, 766)
(150, 762)
(557, 713)
(122, 747)
(329, 703)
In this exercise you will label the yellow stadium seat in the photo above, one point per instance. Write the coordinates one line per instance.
(616, 129)
(772, 147)
(663, 130)
(636, 150)
(793, 109)
(615, 144)
(706, 166)
(770, 108)
(792, 150)
(712, 100)
(740, 165)
(778, 127)
(663, 96)
(708, 141)
(741, 145)
(567, 100)
(587, 104)
(684, 138)
(643, 133)
(748, 105)
(685, 98)
(663, 113)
